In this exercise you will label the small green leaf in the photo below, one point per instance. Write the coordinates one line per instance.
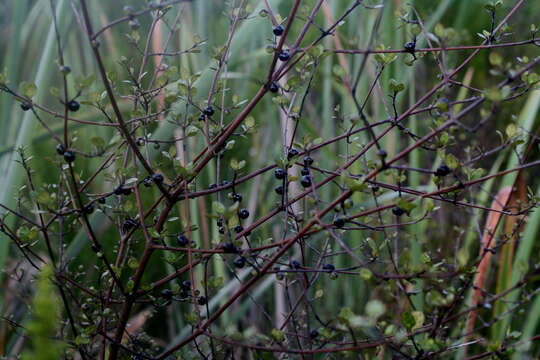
(408, 320)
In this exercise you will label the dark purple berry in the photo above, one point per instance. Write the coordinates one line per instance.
(284, 55)
(201, 300)
(304, 171)
(273, 87)
(279, 173)
(308, 160)
(73, 105)
(140, 141)
(243, 213)
(239, 262)
(410, 46)
(278, 30)
(229, 247)
(295, 264)
(398, 211)
(238, 228)
(89, 209)
(186, 285)
(442, 170)
(292, 153)
(69, 156)
(213, 186)
(157, 178)
(313, 334)
(60, 149)
(167, 294)
(221, 230)
(237, 197)
(147, 182)
(305, 181)
(25, 106)
(339, 222)
(102, 200)
(279, 190)
(182, 240)
(209, 111)
(329, 267)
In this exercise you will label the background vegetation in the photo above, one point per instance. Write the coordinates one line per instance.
(355, 268)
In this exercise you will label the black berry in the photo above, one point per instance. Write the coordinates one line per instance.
(202, 117)
(278, 30)
(279, 190)
(60, 149)
(102, 200)
(237, 197)
(238, 228)
(186, 285)
(442, 170)
(219, 222)
(329, 267)
(69, 156)
(25, 106)
(209, 111)
(140, 141)
(313, 334)
(201, 300)
(304, 171)
(398, 211)
(182, 240)
(382, 153)
(292, 153)
(295, 264)
(89, 209)
(243, 213)
(221, 230)
(213, 186)
(73, 105)
(239, 262)
(229, 247)
(118, 190)
(147, 181)
(167, 294)
(273, 87)
(157, 178)
(126, 191)
(279, 173)
(339, 222)
(410, 46)
(305, 181)
(308, 160)
(284, 55)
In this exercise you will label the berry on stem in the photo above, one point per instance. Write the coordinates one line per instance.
(305, 181)
(60, 149)
(292, 153)
(239, 262)
(442, 170)
(410, 46)
(229, 247)
(69, 156)
(157, 178)
(279, 173)
(279, 190)
(243, 213)
(25, 106)
(186, 285)
(278, 30)
(201, 300)
(398, 211)
(140, 141)
(308, 160)
(304, 171)
(238, 229)
(182, 240)
(273, 87)
(284, 55)
(73, 105)
(237, 197)
(329, 267)
(339, 222)
(209, 111)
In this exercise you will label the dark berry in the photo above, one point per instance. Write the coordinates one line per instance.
(410, 46)
(126, 191)
(295, 264)
(273, 87)
(157, 178)
(442, 170)
(313, 333)
(237, 197)
(209, 111)
(339, 222)
(304, 171)
(278, 30)
(238, 228)
(225, 183)
(398, 211)
(85, 307)
(284, 55)
(202, 117)
(329, 267)
(89, 208)
(292, 153)
(305, 181)
(60, 149)
(213, 186)
(229, 247)
(183, 294)
(382, 153)
(279, 190)
(243, 213)
(102, 200)
(239, 262)
(73, 105)
(279, 173)
(219, 222)
(186, 285)
(118, 190)
(127, 225)
(25, 106)
(221, 230)
(182, 240)
(308, 160)
(147, 181)
(140, 141)
(201, 300)
(69, 156)
(167, 294)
